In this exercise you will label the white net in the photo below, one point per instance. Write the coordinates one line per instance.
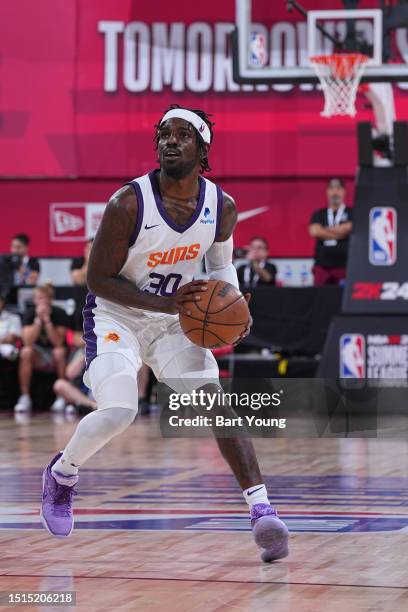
(339, 75)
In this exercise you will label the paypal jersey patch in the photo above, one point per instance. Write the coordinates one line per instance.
(207, 217)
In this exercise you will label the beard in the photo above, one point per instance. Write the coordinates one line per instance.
(179, 170)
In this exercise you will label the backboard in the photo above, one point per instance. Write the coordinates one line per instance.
(257, 58)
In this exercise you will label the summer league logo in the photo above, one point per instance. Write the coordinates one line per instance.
(382, 237)
(387, 356)
(378, 357)
(207, 220)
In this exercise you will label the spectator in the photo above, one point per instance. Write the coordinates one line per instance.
(79, 265)
(258, 271)
(144, 379)
(331, 227)
(25, 269)
(44, 330)
(73, 390)
(10, 331)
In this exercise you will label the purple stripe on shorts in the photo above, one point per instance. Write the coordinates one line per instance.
(89, 324)
(140, 209)
(220, 200)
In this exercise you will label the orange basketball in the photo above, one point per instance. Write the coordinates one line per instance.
(219, 318)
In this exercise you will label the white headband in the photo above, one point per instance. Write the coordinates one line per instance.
(200, 125)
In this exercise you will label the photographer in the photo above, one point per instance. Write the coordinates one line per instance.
(258, 271)
(18, 268)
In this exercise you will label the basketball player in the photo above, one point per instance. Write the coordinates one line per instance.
(153, 233)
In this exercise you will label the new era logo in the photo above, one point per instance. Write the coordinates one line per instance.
(65, 222)
(74, 222)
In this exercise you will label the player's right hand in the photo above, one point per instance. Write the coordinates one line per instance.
(190, 292)
(247, 330)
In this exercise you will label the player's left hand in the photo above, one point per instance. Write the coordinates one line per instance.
(247, 330)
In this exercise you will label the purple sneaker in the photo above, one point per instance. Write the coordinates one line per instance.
(269, 532)
(56, 511)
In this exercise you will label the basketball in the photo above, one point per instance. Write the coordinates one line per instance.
(219, 318)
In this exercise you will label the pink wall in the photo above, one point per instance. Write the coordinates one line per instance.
(26, 205)
(81, 100)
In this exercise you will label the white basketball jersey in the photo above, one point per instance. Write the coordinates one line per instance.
(162, 255)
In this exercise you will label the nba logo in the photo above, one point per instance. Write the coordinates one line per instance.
(383, 236)
(257, 48)
(352, 356)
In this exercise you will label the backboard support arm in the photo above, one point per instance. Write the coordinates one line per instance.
(292, 4)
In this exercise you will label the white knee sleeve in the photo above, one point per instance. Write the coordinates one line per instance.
(94, 431)
(113, 381)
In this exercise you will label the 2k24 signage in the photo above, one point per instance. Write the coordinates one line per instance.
(74, 222)
(380, 291)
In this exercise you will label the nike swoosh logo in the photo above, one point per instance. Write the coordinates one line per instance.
(150, 226)
(247, 214)
(254, 491)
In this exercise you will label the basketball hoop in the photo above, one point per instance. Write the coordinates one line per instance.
(339, 75)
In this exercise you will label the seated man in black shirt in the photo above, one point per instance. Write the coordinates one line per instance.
(44, 331)
(258, 271)
(331, 227)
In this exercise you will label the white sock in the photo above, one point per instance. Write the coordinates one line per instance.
(257, 494)
(64, 466)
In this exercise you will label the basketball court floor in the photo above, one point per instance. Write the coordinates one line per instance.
(161, 524)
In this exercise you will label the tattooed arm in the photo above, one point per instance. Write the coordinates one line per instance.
(109, 253)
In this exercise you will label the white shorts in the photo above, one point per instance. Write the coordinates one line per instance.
(157, 341)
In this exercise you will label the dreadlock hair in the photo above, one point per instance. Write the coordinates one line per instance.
(204, 165)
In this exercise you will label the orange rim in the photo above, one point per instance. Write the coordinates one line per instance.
(341, 64)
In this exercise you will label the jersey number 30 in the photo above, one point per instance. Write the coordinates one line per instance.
(163, 285)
